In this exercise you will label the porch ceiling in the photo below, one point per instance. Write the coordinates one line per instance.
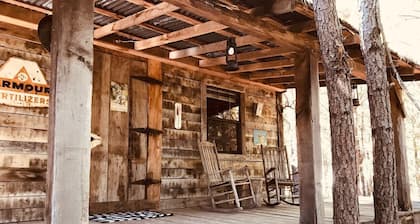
(193, 33)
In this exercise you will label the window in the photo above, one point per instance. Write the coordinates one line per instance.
(224, 120)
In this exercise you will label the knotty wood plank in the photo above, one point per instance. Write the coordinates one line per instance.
(118, 137)
(22, 175)
(21, 215)
(23, 134)
(138, 141)
(23, 121)
(154, 153)
(19, 160)
(100, 126)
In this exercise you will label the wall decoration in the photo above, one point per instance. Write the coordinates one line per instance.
(22, 84)
(178, 116)
(119, 97)
(259, 109)
(260, 137)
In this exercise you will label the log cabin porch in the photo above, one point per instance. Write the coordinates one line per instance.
(166, 55)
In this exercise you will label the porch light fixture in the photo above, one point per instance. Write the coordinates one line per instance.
(231, 55)
(355, 94)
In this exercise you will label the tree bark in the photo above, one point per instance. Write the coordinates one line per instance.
(384, 177)
(338, 82)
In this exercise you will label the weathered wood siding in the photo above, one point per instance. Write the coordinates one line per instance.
(23, 145)
(23, 138)
(183, 180)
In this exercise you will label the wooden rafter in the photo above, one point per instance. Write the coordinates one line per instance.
(179, 35)
(245, 23)
(265, 65)
(271, 74)
(217, 46)
(249, 56)
(189, 20)
(142, 54)
(137, 18)
(303, 27)
(18, 22)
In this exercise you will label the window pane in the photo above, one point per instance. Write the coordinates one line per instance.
(223, 120)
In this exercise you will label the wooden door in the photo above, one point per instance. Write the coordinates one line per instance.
(145, 123)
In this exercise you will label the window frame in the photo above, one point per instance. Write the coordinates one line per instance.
(241, 123)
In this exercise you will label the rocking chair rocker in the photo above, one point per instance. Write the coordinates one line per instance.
(224, 185)
(281, 184)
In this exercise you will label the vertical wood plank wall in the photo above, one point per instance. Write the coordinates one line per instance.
(23, 138)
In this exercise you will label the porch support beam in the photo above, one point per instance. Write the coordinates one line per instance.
(179, 35)
(403, 183)
(70, 112)
(308, 138)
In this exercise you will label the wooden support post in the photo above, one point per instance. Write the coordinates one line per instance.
(154, 150)
(308, 139)
(279, 112)
(70, 112)
(403, 183)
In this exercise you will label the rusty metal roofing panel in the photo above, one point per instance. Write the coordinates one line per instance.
(46, 4)
(168, 23)
(120, 7)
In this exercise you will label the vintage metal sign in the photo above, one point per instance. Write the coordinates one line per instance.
(22, 84)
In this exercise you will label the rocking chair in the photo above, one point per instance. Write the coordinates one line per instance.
(223, 185)
(281, 184)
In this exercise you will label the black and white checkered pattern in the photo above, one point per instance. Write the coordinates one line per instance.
(126, 216)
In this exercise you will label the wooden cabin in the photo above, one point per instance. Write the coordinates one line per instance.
(150, 57)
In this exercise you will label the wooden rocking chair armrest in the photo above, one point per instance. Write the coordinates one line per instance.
(270, 170)
(225, 171)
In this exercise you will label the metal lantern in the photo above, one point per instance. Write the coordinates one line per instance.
(231, 55)
(355, 95)
(44, 31)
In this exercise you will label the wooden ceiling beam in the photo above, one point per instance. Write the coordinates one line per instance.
(261, 75)
(217, 46)
(185, 65)
(190, 20)
(245, 23)
(194, 31)
(249, 56)
(18, 22)
(135, 19)
(265, 66)
(303, 27)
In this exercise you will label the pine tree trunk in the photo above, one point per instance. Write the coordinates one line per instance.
(384, 177)
(338, 81)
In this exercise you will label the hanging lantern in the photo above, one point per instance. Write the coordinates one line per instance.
(231, 55)
(355, 95)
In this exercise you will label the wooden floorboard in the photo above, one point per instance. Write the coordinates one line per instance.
(281, 214)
